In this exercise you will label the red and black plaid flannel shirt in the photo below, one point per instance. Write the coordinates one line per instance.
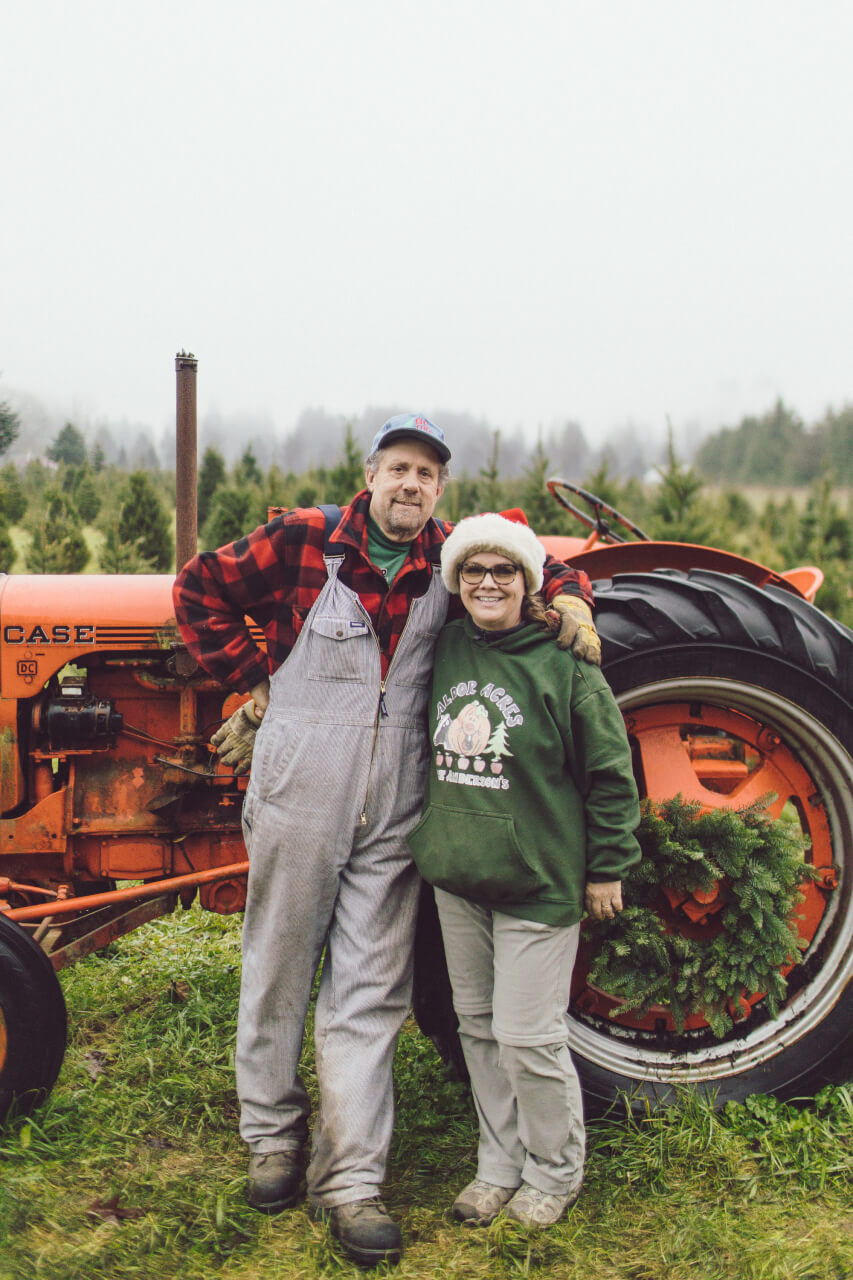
(274, 576)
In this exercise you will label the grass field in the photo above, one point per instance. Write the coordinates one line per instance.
(759, 494)
(134, 1167)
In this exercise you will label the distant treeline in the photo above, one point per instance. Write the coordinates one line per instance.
(778, 449)
(774, 448)
(75, 511)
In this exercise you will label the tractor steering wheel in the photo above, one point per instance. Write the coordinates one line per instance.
(600, 510)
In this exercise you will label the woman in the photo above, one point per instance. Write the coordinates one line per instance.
(530, 812)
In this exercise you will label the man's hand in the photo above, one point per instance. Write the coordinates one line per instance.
(602, 901)
(576, 629)
(261, 698)
(235, 740)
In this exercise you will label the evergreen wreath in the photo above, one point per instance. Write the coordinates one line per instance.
(759, 864)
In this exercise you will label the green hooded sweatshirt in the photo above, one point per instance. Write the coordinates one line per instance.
(530, 791)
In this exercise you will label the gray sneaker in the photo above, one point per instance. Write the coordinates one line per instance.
(480, 1203)
(274, 1180)
(365, 1231)
(534, 1208)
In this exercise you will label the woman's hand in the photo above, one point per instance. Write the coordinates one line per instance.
(602, 901)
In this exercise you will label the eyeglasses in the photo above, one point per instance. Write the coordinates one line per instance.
(474, 573)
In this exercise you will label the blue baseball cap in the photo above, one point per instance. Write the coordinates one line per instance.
(411, 426)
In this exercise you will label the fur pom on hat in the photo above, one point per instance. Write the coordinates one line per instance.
(513, 539)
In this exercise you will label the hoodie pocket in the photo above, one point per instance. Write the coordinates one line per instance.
(475, 856)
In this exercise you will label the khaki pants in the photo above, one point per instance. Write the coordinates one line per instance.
(511, 981)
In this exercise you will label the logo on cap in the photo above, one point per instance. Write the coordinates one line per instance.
(407, 424)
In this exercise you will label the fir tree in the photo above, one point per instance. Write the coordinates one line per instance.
(7, 547)
(543, 513)
(823, 536)
(87, 498)
(10, 426)
(13, 499)
(461, 499)
(119, 556)
(69, 447)
(678, 513)
(276, 488)
(489, 491)
(823, 533)
(211, 477)
(346, 477)
(247, 471)
(232, 517)
(311, 489)
(606, 487)
(143, 522)
(58, 545)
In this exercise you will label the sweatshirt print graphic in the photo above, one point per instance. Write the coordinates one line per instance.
(472, 739)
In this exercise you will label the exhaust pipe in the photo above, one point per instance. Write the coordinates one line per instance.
(186, 459)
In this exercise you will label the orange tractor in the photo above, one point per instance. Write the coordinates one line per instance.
(733, 684)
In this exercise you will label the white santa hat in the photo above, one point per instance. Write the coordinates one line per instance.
(510, 537)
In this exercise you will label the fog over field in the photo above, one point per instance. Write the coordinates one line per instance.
(317, 438)
(528, 218)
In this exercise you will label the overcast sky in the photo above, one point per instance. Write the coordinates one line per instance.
(529, 211)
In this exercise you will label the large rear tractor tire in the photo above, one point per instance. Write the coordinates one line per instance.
(704, 658)
(33, 1022)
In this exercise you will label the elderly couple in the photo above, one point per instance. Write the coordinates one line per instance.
(519, 806)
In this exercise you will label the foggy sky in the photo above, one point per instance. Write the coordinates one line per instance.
(527, 213)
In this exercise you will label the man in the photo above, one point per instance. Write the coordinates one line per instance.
(338, 772)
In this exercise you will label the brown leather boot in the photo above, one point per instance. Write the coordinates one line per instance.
(365, 1231)
(274, 1180)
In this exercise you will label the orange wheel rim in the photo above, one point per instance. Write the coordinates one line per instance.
(717, 758)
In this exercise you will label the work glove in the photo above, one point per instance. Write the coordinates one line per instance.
(576, 628)
(235, 739)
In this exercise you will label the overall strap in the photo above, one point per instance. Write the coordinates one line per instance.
(332, 516)
(435, 552)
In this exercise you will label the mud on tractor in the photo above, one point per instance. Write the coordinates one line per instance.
(732, 683)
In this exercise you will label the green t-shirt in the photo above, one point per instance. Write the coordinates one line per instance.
(385, 554)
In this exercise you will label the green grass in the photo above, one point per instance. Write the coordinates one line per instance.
(145, 1112)
(758, 495)
(21, 541)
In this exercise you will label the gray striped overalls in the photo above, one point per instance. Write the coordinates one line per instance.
(337, 784)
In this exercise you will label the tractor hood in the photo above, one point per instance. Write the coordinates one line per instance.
(47, 620)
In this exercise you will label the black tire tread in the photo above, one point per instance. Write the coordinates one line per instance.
(638, 612)
(34, 1013)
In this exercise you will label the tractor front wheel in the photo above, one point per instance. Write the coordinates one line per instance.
(32, 1021)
